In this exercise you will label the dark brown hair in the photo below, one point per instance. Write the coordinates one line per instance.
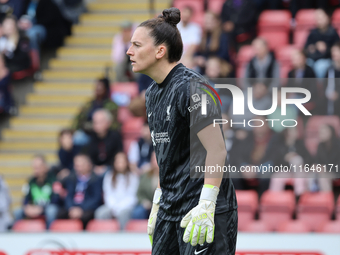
(163, 29)
(126, 172)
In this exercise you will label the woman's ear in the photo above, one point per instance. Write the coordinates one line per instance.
(161, 51)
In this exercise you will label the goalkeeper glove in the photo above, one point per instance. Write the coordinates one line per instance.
(199, 222)
(153, 215)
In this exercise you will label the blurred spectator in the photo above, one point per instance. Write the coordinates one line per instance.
(287, 149)
(15, 7)
(119, 188)
(40, 198)
(5, 204)
(264, 64)
(44, 23)
(15, 46)
(140, 151)
(191, 35)
(291, 113)
(67, 152)
(296, 5)
(6, 99)
(302, 76)
(84, 194)
(249, 149)
(331, 102)
(105, 143)
(83, 121)
(120, 45)
(214, 41)
(239, 19)
(144, 82)
(71, 9)
(319, 43)
(327, 153)
(147, 186)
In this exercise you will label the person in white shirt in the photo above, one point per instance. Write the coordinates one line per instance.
(191, 35)
(120, 189)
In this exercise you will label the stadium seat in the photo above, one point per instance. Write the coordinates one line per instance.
(124, 114)
(131, 129)
(336, 18)
(35, 66)
(257, 226)
(315, 208)
(245, 54)
(284, 70)
(247, 201)
(305, 19)
(274, 20)
(66, 226)
(284, 54)
(293, 226)
(29, 226)
(130, 88)
(330, 227)
(300, 38)
(312, 130)
(275, 39)
(138, 226)
(196, 5)
(276, 207)
(103, 226)
(215, 6)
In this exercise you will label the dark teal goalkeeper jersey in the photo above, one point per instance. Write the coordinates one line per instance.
(173, 110)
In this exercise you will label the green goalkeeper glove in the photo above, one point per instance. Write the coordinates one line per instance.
(153, 214)
(199, 222)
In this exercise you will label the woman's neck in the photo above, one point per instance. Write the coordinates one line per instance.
(161, 72)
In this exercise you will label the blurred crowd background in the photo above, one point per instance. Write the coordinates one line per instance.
(106, 167)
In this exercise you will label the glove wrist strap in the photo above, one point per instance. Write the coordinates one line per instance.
(157, 196)
(209, 192)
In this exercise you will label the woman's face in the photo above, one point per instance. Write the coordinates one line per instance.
(298, 59)
(142, 51)
(9, 27)
(210, 22)
(120, 164)
(322, 20)
(325, 133)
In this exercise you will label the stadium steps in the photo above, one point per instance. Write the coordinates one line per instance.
(65, 86)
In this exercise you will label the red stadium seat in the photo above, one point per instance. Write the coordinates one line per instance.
(305, 19)
(196, 5)
(103, 226)
(293, 226)
(130, 88)
(336, 18)
(245, 54)
(257, 226)
(132, 128)
(29, 226)
(275, 39)
(274, 20)
(284, 70)
(138, 226)
(315, 208)
(331, 227)
(35, 66)
(300, 38)
(66, 226)
(284, 54)
(276, 207)
(247, 201)
(216, 6)
(124, 114)
(312, 130)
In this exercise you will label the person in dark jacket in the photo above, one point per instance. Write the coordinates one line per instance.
(303, 76)
(41, 198)
(105, 143)
(239, 19)
(331, 89)
(319, 43)
(84, 194)
(17, 46)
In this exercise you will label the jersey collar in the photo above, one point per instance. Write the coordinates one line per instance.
(169, 76)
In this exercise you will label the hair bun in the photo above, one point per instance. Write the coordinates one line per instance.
(172, 16)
